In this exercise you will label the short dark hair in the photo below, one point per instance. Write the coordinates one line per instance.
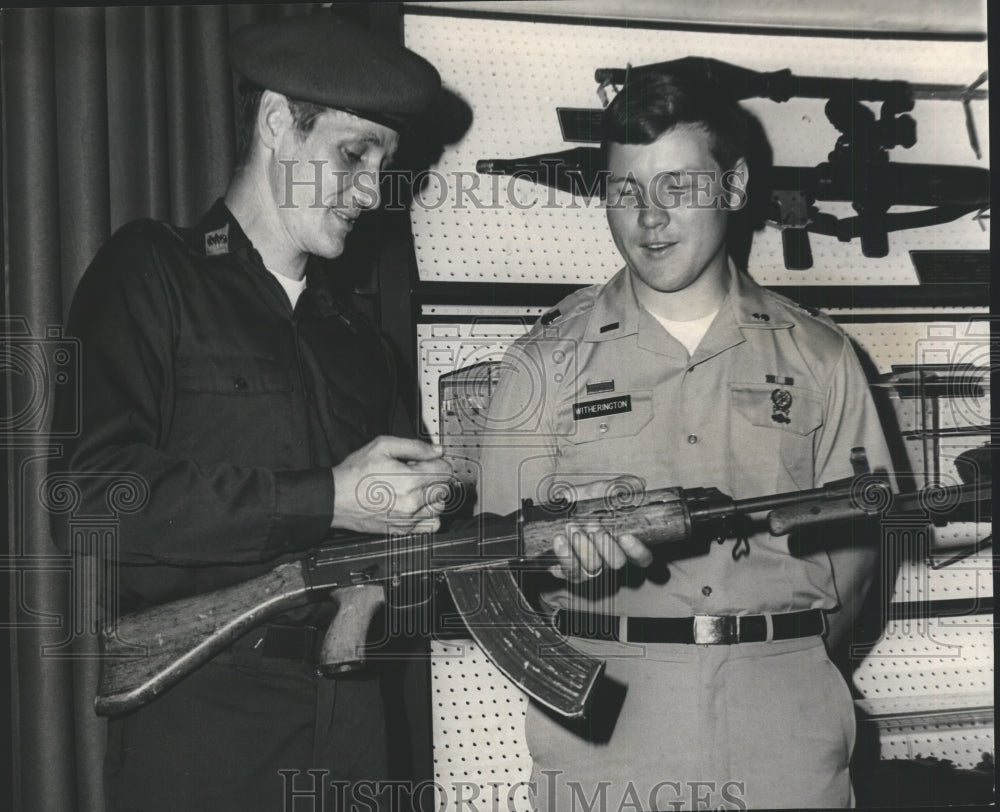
(652, 102)
(304, 115)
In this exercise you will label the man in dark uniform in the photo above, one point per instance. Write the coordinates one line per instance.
(256, 407)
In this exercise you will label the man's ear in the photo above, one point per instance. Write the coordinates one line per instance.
(734, 186)
(273, 118)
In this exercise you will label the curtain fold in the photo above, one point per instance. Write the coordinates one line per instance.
(137, 132)
(82, 111)
(109, 114)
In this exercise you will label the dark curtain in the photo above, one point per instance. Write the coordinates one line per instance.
(109, 114)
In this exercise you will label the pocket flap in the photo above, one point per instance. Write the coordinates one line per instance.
(789, 408)
(232, 375)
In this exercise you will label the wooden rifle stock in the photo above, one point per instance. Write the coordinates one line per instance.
(177, 637)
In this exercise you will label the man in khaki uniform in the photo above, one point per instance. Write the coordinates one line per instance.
(682, 371)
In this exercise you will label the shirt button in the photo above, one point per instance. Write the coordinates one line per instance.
(706, 591)
(239, 382)
(692, 438)
(602, 428)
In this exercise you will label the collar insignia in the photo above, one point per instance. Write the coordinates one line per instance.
(217, 242)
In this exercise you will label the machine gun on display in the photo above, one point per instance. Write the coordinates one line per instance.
(180, 636)
(857, 170)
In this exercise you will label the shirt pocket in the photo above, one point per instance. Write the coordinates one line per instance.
(613, 417)
(235, 375)
(786, 417)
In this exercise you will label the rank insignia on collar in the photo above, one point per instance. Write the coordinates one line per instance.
(217, 242)
(781, 403)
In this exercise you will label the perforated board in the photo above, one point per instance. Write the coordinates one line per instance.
(916, 342)
(929, 686)
(478, 727)
(446, 348)
(514, 74)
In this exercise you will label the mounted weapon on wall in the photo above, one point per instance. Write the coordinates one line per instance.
(857, 170)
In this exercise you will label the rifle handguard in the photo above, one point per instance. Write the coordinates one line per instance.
(870, 496)
(663, 518)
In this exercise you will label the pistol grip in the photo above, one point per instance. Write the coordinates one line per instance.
(343, 646)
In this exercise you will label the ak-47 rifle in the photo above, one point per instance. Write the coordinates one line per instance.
(180, 636)
(857, 170)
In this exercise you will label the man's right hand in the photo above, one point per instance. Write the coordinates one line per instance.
(392, 484)
(584, 550)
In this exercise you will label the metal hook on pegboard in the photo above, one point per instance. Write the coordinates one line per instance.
(606, 82)
(970, 124)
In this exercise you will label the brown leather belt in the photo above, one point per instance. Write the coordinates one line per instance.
(699, 630)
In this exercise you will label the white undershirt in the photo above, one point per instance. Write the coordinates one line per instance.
(293, 287)
(689, 333)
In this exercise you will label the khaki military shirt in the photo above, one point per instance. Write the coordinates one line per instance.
(772, 400)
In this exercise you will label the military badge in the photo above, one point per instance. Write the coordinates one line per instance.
(781, 403)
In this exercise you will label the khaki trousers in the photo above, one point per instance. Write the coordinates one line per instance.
(673, 727)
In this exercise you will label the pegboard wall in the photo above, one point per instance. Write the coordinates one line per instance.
(928, 685)
(478, 728)
(513, 74)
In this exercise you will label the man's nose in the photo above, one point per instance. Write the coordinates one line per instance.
(365, 186)
(651, 215)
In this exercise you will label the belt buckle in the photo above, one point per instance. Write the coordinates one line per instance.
(713, 630)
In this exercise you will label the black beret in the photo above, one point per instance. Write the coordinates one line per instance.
(330, 61)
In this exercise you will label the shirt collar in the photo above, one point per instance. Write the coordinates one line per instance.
(750, 305)
(616, 311)
(746, 308)
(218, 232)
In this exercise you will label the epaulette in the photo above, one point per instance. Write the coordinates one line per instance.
(818, 314)
(171, 230)
(579, 301)
(158, 229)
(815, 312)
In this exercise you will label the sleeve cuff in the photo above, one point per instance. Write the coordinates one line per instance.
(303, 508)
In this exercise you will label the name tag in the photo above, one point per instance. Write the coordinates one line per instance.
(601, 408)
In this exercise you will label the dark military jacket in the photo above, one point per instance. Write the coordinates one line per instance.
(221, 406)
